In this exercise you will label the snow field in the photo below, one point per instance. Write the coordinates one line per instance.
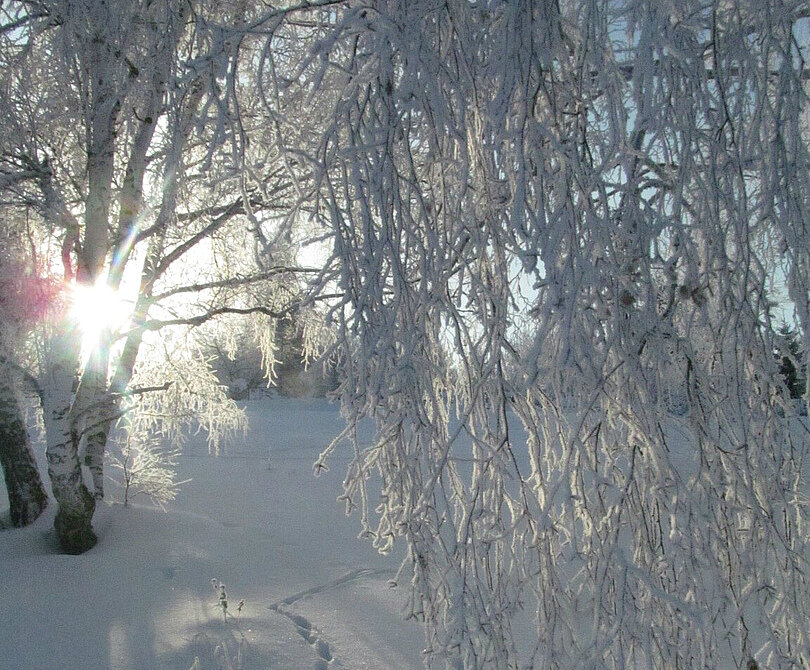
(315, 596)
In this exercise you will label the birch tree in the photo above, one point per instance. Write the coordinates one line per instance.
(126, 138)
(620, 187)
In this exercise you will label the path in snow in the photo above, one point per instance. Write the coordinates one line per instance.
(304, 626)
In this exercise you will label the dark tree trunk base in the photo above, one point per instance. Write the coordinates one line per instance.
(25, 513)
(26, 495)
(74, 528)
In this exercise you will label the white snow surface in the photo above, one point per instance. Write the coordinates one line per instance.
(316, 597)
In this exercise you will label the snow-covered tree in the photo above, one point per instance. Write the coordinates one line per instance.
(554, 223)
(619, 184)
(146, 466)
(134, 140)
(789, 353)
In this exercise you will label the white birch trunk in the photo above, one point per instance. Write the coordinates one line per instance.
(76, 505)
(92, 414)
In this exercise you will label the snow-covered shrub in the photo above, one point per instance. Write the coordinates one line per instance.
(222, 600)
(145, 466)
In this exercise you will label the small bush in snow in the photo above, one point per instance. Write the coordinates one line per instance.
(147, 467)
(222, 599)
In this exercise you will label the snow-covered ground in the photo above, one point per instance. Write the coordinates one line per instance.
(315, 596)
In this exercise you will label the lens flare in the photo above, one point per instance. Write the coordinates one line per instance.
(96, 308)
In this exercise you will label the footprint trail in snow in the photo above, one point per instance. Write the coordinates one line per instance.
(304, 626)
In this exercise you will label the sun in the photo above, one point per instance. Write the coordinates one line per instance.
(96, 308)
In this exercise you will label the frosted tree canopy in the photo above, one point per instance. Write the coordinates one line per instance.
(564, 235)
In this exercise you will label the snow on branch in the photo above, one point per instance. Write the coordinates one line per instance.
(554, 229)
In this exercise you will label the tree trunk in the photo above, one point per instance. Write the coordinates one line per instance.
(96, 412)
(96, 445)
(76, 505)
(26, 495)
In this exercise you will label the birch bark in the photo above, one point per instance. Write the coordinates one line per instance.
(76, 504)
(26, 495)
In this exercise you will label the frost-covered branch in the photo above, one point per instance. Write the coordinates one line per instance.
(199, 319)
(233, 282)
(558, 228)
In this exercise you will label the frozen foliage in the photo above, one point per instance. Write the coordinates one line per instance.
(563, 218)
(624, 184)
(190, 397)
(146, 467)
